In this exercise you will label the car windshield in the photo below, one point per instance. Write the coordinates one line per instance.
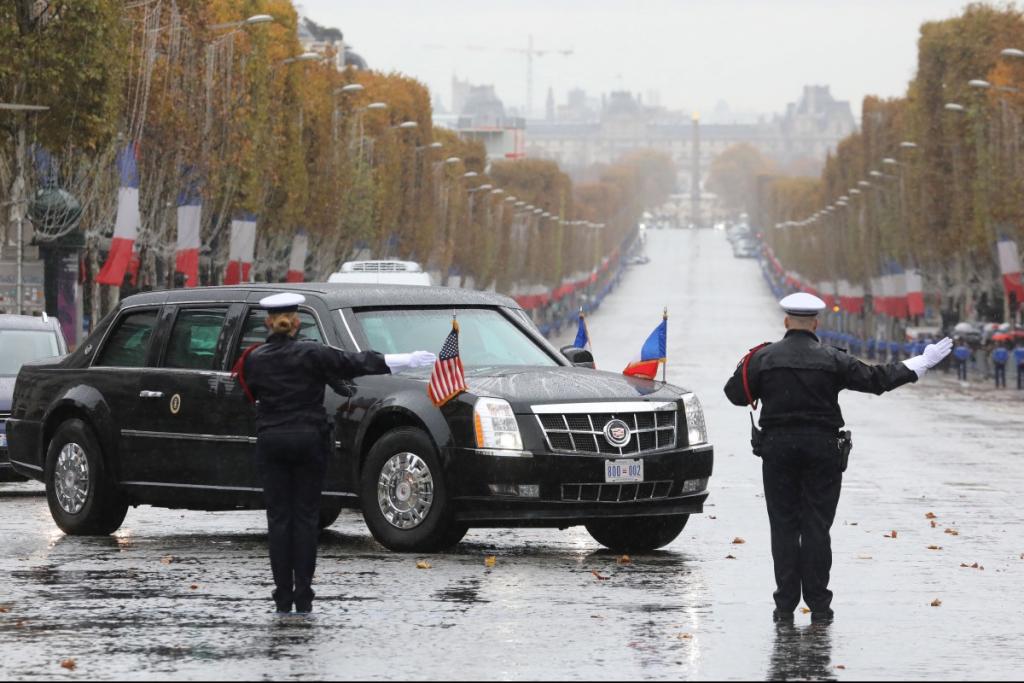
(486, 337)
(18, 347)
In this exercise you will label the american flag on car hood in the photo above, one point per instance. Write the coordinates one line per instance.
(448, 379)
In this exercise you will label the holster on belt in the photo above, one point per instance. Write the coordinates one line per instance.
(756, 435)
(845, 446)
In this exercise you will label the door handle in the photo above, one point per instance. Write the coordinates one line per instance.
(151, 394)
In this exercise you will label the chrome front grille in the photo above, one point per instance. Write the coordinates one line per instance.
(653, 427)
(616, 493)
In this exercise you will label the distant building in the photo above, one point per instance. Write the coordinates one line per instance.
(328, 41)
(587, 132)
(479, 114)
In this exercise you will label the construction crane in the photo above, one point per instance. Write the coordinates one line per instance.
(529, 51)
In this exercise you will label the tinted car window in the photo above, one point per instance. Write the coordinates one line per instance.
(255, 331)
(17, 347)
(128, 344)
(486, 337)
(193, 342)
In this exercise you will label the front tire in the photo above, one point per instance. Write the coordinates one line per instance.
(637, 534)
(83, 499)
(404, 496)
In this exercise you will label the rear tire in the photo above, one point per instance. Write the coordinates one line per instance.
(404, 496)
(637, 534)
(83, 499)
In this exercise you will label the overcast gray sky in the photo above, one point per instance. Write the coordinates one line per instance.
(755, 54)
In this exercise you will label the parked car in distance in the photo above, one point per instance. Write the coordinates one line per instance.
(23, 338)
(381, 273)
(746, 248)
(147, 412)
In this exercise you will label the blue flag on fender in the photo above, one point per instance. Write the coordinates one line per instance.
(582, 334)
(653, 353)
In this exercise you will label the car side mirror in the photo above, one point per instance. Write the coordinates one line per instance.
(581, 358)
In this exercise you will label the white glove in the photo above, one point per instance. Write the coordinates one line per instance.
(932, 356)
(416, 359)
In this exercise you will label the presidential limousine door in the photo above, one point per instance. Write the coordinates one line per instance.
(190, 451)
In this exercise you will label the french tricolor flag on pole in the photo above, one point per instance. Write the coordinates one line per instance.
(126, 225)
(915, 292)
(241, 249)
(1009, 266)
(297, 258)
(653, 353)
(190, 212)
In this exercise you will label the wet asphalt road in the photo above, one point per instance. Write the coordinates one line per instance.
(185, 594)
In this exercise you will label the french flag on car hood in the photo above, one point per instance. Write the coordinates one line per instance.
(653, 353)
(297, 258)
(1009, 266)
(190, 213)
(241, 249)
(126, 225)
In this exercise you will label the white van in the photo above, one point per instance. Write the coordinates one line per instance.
(382, 273)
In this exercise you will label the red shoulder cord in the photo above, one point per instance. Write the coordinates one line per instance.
(239, 371)
(746, 380)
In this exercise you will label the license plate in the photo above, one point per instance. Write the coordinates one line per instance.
(622, 471)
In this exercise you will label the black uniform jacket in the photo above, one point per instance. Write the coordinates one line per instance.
(286, 377)
(799, 379)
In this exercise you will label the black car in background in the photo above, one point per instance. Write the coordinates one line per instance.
(146, 411)
(23, 338)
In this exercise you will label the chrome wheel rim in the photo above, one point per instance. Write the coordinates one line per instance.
(405, 491)
(71, 478)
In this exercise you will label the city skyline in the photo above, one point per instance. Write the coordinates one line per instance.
(694, 55)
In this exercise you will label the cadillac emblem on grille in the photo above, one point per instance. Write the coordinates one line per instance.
(617, 432)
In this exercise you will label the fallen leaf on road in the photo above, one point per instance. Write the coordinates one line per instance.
(805, 610)
(841, 667)
(738, 541)
(625, 559)
(194, 586)
(69, 664)
(864, 557)
(166, 560)
(854, 523)
(423, 564)
(935, 547)
(934, 524)
(891, 534)
(490, 561)
(712, 517)
(596, 616)
(4, 609)
(952, 532)
(20, 623)
(730, 557)
(684, 636)
(936, 603)
(598, 575)
(930, 515)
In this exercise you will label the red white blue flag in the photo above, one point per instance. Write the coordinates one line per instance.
(653, 353)
(190, 213)
(128, 221)
(1009, 267)
(241, 249)
(448, 378)
(582, 333)
(297, 258)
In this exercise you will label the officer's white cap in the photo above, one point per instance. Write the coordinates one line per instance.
(802, 305)
(286, 302)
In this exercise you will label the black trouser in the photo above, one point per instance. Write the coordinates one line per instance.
(294, 464)
(961, 369)
(1000, 372)
(802, 479)
(1020, 376)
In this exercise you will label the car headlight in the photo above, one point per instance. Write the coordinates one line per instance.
(496, 425)
(695, 425)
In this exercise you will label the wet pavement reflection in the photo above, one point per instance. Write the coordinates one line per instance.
(186, 594)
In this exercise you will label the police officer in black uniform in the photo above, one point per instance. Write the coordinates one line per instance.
(285, 377)
(798, 379)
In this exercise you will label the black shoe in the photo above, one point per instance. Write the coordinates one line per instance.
(782, 617)
(304, 608)
(825, 616)
(284, 606)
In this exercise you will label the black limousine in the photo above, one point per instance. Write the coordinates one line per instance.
(146, 412)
